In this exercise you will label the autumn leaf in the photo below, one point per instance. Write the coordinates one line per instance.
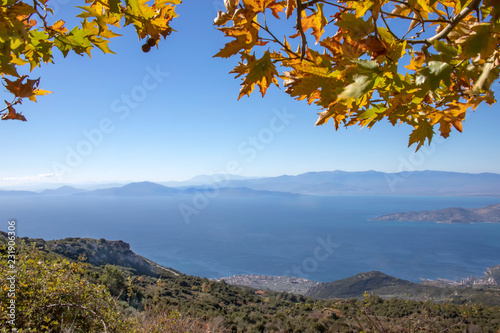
(59, 27)
(375, 46)
(261, 6)
(290, 7)
(423, 130)
(20, 89)
(233, 47)
(316, 21)
(12, 114)
(258, 71)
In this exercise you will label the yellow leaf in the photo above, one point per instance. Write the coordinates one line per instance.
(316, 21)
(233, 47)
(261, 72)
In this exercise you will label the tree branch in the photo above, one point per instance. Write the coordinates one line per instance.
(310, 3)
(300, 29)
(453, 23)
(388, 28)
(488, 65)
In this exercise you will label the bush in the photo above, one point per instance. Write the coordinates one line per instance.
(53, 295)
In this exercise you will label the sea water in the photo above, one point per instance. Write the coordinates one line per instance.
(323, 238)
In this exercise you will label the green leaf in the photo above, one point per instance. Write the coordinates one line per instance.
(361, 85)
(445, 48)
(482, 42)
(430, 77)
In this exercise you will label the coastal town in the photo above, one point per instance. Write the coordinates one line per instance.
(275, 283)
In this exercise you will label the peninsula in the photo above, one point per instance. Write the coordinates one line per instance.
(486, 214)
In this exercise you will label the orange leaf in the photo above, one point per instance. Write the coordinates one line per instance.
(59, 27)
(290, 6)
(12, 114)
(20, 89)
(261, 5)
(374, 45)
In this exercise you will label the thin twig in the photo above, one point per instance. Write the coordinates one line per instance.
(388, 28)
(310, 3)
(337, 5)
(286, 48)
(44, 17)
(411, 18)
(14, 102)
(300, 29)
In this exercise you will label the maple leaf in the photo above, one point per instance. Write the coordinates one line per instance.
(233, 47)
(375, 46)
(26, 40)
(12, 114)
(423, 130)
(336, 111)
(482, 41)
(258, 71)
(20, 89)
(59, 27)
(261, 6)
(316, 21)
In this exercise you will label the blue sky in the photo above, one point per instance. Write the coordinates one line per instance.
(172, 114)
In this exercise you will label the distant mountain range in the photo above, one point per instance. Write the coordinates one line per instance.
(489, 214)
(311, 183)
(379, 183)
(150, 189)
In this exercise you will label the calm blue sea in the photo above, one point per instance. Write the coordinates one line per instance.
(273, 235)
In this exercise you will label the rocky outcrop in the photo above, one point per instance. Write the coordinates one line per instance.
(100, 252)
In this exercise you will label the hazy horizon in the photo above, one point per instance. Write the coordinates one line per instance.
(192, 181)
(102, 123)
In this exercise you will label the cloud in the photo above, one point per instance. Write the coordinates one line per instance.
(28, 178)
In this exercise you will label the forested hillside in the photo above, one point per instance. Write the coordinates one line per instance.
(58, 292)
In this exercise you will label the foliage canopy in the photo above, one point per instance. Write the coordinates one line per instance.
(419, 62)
(424, 63)
(27, 37)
